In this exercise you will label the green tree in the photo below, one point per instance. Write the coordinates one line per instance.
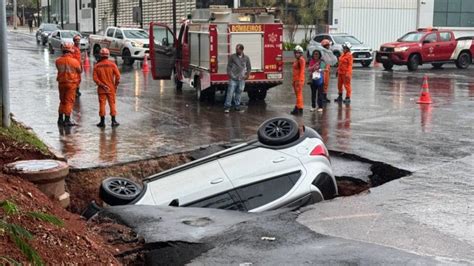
(311, 14)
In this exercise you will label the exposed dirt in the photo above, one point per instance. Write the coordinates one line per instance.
(11, 151)
(83, 185)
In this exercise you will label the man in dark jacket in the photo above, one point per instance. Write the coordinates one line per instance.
(238, 70)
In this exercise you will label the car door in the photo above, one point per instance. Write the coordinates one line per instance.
(447, 44)
(190, 185)
(117, 42)
(162, 51)
(56, 40)
(430, 49)
(256, 166)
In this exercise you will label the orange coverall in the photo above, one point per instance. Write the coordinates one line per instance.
(77, 54)
(327, 73)
(107, 78)
(298, 80)
(69, 77)
(344, 73)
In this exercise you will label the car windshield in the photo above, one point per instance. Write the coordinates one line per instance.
(135, 34)
(412, 37)
(50, 27)
(343, 39)
(69, 34)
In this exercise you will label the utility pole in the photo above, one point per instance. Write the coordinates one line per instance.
(15, 11)
(49, 13)
(174, 16)
(4, 87)
(77, 16)
(93, 16)
(38, 10)
(62, 11)
(140, 5)
(115, 6)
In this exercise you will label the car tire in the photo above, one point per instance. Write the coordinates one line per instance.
(437, 65)
(43, 43)
(278, 131)
(51, 49)
(366, 63)
(464, 60)
(388, 65)
(118, 191)
(413, 62)
(127, 57)
(257, 94)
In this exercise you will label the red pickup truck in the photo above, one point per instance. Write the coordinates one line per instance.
(427, 46)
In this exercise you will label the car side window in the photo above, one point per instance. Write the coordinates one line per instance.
(227, 201)
(445, 36)
(119, 34)
(431, 37)
(110, 32)
(264, 192)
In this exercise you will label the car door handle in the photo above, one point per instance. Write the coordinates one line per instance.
(217, 181)
(279, 160)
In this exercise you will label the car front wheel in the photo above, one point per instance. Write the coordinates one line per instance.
(119, 191)
(464, 60)
(413, 62)
(388, 65)
(278, 131)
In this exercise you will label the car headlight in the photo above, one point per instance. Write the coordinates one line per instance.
(137, 44)
(401, 49)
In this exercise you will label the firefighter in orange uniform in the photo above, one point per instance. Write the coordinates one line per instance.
(69, 77)
(344, 72)
(298, 80)
(107, 78)
(77, 55)
(326, 44)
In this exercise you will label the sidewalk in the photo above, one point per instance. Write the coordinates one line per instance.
(22, 30)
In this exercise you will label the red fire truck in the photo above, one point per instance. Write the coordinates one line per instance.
(198, 55)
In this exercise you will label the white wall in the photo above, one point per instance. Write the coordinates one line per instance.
(374, 22)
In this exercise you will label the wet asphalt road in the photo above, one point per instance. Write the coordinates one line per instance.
(155, 120)
(429, 213)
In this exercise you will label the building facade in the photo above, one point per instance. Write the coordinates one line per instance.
(381, 21)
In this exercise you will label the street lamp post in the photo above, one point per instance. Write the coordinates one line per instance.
(61, 7)
(77, 16)
(15, 11)
(4, 87)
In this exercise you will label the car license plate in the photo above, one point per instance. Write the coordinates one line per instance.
(274, 76)
(362, 56)
(384, 57)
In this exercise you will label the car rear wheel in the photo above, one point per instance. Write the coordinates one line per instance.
(278, 131)
(413, 62)
(388, 65)
(437, 65)
(119, 191)
(464, 60)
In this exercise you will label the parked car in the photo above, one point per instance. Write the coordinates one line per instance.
(129, 43)
(432, 46)
(287, 166)
(361, 52)
(44, 31)
(58, 38)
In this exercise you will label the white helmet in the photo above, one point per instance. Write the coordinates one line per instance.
(298, 49)
(347, 45)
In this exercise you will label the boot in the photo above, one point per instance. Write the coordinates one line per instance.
(339, 98)
(78, 93)
(325, 98)
(61, 119)
(295, 111)
(102, 122)
(68, 122)
(114, 122)
(347, 100)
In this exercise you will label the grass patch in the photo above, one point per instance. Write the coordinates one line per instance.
(23, 137)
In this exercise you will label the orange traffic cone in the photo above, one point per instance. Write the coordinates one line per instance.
(425, 97)
(87, 64)
(145, 67)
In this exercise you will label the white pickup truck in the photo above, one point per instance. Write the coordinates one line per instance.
(129, 43)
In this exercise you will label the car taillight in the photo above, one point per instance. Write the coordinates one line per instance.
(320, 150)
(279, 60)
(213, 64)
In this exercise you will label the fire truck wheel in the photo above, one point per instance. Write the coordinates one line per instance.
(413, 62)
(463, 61)
(257, 94)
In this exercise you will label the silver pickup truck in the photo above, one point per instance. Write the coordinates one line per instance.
(361, 52)
(129, 43)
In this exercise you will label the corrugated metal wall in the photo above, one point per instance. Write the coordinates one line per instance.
(377, 21)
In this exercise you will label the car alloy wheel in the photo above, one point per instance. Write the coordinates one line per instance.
(278, 131)
(119, 190)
